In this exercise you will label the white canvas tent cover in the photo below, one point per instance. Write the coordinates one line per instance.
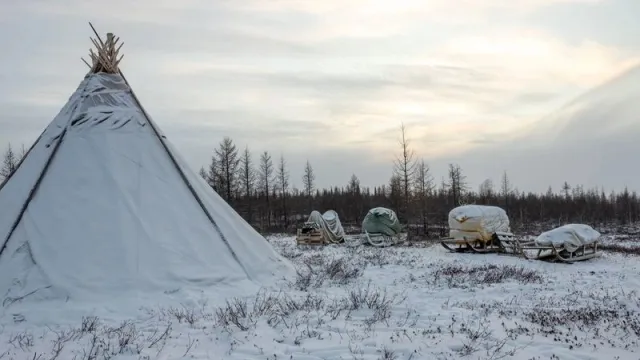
(484, 219)
(102, 203)
(329, 224)
(570, 237)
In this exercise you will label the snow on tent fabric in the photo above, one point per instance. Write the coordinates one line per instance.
(570, 237)
(102, 203)
(329, 223)
(483, 219)
(381, 220)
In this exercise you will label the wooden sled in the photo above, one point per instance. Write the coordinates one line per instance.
(474, 242)
(310, 236)
(552, 253)
(509, 243)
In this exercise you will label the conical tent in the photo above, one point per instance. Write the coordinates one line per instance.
(102, 202)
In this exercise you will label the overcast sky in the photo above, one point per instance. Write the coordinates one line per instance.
(493, 85)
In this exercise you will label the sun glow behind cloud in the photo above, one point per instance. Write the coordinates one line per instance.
(470, 78)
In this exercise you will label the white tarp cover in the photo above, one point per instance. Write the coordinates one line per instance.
(478, 218)
(570, 236)
(112, 213)
(329, 223)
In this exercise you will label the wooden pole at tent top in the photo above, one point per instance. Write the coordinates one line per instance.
(105, 59)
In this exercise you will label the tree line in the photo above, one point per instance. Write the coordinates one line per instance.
(260, 190)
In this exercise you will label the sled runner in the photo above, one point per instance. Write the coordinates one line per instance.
(380, 239)
(568, 243)
(479, 229)
(498, 242)
(553, 253)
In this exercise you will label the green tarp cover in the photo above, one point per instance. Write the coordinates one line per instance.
(381, 221)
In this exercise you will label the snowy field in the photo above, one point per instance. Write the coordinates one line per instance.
(362, 303)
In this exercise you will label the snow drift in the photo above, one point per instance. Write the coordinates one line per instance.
(570, 237)
(103, 204)
(482, 219)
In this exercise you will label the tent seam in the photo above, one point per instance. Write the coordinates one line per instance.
(184, 177)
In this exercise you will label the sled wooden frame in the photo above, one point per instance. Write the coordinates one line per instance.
(553, 253)
(499, 242)
(313, 237)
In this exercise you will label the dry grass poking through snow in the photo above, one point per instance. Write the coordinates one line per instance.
(369, 303)
(621, 244)
(471, 276)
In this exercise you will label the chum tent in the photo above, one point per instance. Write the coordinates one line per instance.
(103, 203)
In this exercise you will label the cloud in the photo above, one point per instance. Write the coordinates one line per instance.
(591, 141)
(533, 53)
(328, 80)
(491, 100)
(608, 111)
(22, 124)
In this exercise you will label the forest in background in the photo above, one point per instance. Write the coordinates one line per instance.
(259, 188)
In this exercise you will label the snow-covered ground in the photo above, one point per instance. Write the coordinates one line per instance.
(362, 303)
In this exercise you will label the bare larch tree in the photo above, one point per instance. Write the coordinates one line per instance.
(211, 174)
(227, 166)
(505, 190)
(485, 190)
(9, 163)
(404, 168)
(354, 205)
(423, 187)
(283, 185)
(247, 181)
(266, 181)
(308, 181)
(457, 184)
(396, 197)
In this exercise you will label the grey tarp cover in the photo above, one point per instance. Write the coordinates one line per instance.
(329, 224)
(381, 221)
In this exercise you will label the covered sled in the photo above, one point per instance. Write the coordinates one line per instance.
(567, 243)
(321, 229)
(479, 228)
(381, 227)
